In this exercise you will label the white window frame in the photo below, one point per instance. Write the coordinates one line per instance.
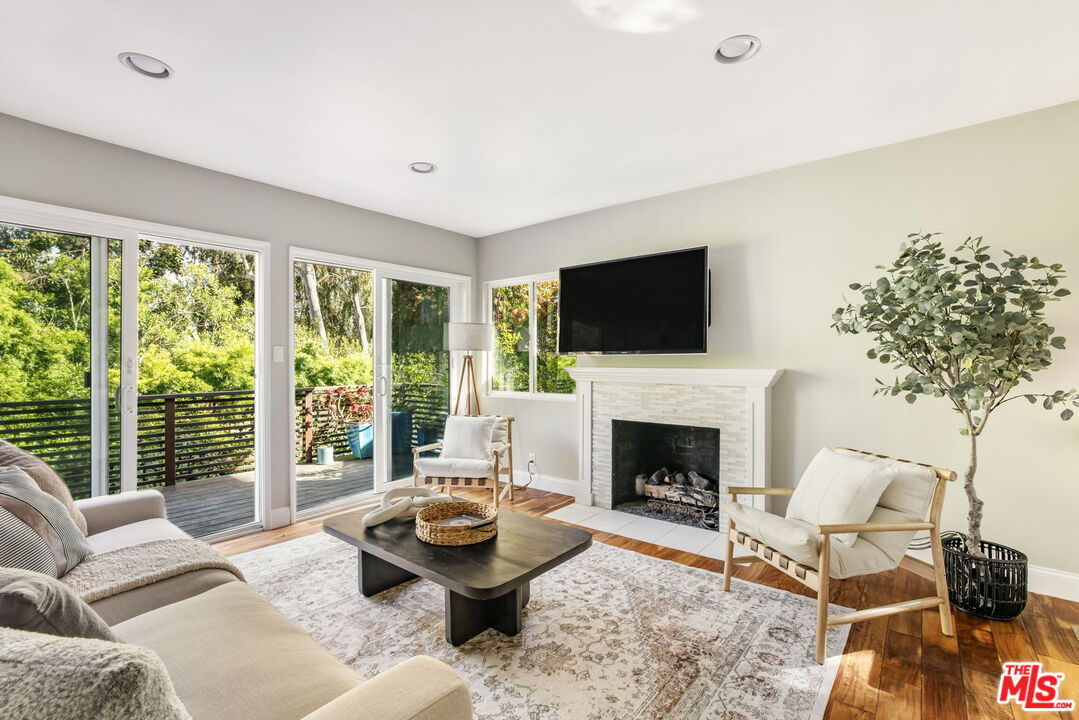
(488, 313)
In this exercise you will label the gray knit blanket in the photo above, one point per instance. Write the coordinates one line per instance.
(110, 573)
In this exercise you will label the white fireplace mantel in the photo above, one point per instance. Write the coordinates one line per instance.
(752, 419)
(678, 376)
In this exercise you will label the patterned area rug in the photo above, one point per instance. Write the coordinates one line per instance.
(609, 635)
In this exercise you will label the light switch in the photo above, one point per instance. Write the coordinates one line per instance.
(279, 353)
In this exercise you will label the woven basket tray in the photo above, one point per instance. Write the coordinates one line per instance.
(429, 532)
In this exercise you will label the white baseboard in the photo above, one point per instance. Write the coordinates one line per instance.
(1042, 580)
(550, 483)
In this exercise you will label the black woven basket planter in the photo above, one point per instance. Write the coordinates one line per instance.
(993, 587)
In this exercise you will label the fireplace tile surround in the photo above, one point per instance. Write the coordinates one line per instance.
(736, 402)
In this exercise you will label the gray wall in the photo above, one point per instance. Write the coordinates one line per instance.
(784, 247)
(50, 166)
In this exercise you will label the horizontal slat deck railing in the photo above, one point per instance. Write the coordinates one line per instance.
(191, 436)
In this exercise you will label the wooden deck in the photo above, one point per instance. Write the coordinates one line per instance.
(211, 505)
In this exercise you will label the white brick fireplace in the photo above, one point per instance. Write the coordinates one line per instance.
(735, 401)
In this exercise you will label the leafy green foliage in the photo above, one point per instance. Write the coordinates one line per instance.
(551, 375)
(509, 313)
(962, 325)
(965, 326)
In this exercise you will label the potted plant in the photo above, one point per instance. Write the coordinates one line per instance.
(970, 329)
(351, 409)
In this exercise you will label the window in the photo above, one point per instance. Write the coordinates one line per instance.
(525, 358)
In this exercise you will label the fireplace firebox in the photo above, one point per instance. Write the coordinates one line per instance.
(680, 469)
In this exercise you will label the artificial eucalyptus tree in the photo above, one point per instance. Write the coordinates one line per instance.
(962, 326)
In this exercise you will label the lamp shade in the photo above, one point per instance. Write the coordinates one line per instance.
(471, 337)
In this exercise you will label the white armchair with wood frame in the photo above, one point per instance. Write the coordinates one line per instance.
(476, 451)
(815, 553)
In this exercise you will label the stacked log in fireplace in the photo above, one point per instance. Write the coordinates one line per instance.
(691, 493)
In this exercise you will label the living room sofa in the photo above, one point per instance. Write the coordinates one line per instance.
(232, 655)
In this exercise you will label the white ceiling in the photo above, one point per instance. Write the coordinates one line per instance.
(531, 109)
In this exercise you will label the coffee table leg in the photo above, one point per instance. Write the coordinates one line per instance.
(377, 575)
(466, 618)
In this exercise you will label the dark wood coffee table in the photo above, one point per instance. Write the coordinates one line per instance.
(487, 584)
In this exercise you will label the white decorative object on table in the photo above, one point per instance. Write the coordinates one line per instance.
(403, 502)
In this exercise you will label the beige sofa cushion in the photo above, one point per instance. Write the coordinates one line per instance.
(135, 533)
(126, 605)
(46, 478)
(232, 655)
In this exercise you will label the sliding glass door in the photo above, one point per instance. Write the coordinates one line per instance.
(371, 373)
(127, 360)
(418, 372)
(195, 433)
(333, 369)
(59, 352)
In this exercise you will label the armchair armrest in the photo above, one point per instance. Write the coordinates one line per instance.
(873, 527)
(420, 688)
(426, 448)
(759, 491)
(106, 512)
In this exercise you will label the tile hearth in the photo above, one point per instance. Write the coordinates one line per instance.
(699, 541)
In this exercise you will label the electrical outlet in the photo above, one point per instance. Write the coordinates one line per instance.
(531, 457)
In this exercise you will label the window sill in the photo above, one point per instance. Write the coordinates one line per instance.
(508, 395)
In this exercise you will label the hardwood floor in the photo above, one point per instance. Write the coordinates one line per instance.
(894, 668)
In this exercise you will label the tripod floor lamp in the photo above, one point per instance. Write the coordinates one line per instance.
(469, 338)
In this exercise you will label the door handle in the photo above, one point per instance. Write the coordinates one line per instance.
(124, 398)
(380, 386)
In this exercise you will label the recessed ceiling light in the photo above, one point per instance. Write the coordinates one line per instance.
(145, 65)
(423, 168)
(737, 48)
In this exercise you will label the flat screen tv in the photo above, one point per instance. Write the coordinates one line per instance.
(651, 304)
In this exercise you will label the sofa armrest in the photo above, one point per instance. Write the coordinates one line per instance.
(106, 512)
(420, 688)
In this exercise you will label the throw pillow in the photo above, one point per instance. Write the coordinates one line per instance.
(36, 532)
(837, 489)
(467, 437)
(44, 677)
(46, 478)
(36, 602)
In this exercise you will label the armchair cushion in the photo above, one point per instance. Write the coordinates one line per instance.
(839, 488)
(501, 431)
(799, 541)
(454, 467)
(910, 492)
(468, 438)
(794, 539)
